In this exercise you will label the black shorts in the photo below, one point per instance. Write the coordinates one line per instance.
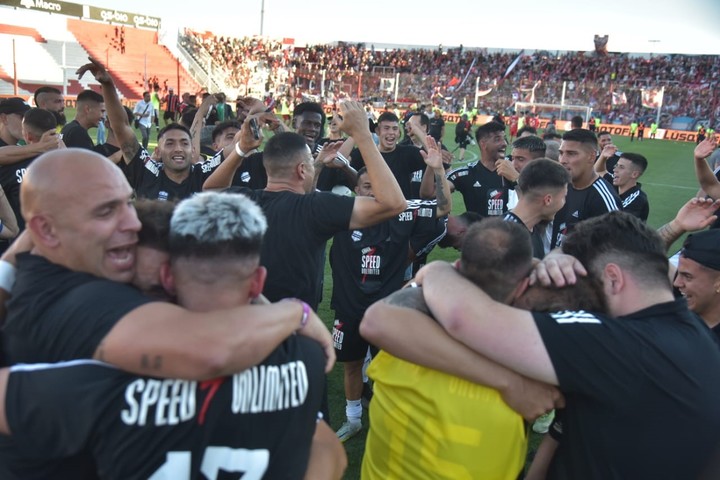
(169, 114)
(349, 345)
(462, 142)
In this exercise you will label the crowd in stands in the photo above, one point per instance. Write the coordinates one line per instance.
(439, 74)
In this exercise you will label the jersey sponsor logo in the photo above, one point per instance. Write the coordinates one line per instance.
(159, 402)
(477, 184)
(338, 335)
(369, 262)
(495, 203)
(269, 388)
(356, 235)
(580, 316)
(20, 174)
(425, 212)
(630, 199)
(405, 217)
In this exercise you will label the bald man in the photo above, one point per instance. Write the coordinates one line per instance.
(71, 301)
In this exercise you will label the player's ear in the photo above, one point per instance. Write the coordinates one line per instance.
(167, 279)
(519, 290)
(258, 282)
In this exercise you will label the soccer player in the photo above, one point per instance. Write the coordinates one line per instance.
(524, 149)
(50, 98)
(429, 424)
(484, 191)
(625, 177)
(462, 135)
(542, 188)
(259, 421)
(698, 276)
(369, 264)
(90, 112)
(589, 195)
(648, 350)
(70, 300)
(403, 160)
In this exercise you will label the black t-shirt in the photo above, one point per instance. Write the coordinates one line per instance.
(149, 180)
(484, 191)
(403, 161)
(622, 379)
(635, 201)
(75, 136)
(55, 314)
(716, 224)
(435, 128)
(369, 264)
(251, 173)
(11, 177)
(260, 421)
(593, 201)
(299, 226)
(535, 238)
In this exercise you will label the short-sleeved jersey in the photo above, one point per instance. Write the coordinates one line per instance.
(149, 179)
(431, 425)
(56, 314)
(403, 161)
(251, 173)
(75, 136)
(259, 422)
(299, 226)
(535, 237)
(593, 201)
(622, 379)
(11, 177)
(368, 264)
(484, 191)
(635, 202)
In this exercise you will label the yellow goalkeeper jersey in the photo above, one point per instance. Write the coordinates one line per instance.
(425, 424)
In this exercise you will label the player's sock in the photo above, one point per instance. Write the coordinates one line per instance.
(353, 411)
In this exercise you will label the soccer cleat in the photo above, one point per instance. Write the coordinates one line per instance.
(543, 422)
(348, 430)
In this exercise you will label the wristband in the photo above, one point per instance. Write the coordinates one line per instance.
(7, 275)
(241, 153)
(305, 311)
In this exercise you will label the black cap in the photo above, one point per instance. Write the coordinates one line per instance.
(14, 105)
(703, 248)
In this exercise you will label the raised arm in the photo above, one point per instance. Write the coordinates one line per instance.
(601, 162)
(164, 340)
(696, 214)
(124, 133)
(400, 325)
(435, 173)
(198, 124)
(708, 182)
(389, 199)
(244, 142)
(504, 334)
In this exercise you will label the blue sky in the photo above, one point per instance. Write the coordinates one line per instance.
(656, 26)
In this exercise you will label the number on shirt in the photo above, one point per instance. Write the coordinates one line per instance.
(253, 463)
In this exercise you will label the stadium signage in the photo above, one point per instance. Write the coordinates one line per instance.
(71, 9)
(124, 18)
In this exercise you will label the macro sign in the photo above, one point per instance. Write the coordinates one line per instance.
(124, 18)
(50, 6)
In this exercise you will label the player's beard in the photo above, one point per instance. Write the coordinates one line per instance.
(60, 117)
